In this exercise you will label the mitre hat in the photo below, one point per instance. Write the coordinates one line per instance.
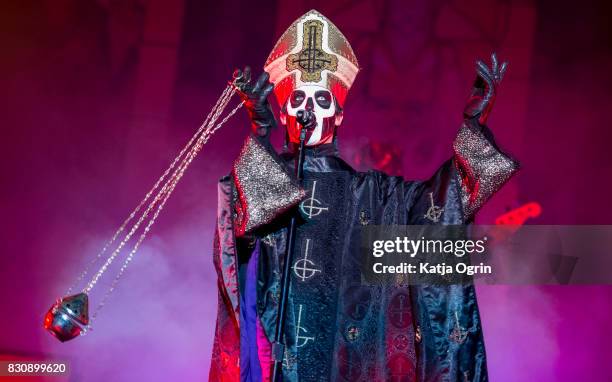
(312, 51)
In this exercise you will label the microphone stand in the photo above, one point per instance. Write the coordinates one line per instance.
(278, 346)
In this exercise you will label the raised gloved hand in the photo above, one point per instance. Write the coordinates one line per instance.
(483, 94)
(255, 97)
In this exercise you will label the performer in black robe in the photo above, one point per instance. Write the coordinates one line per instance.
(339, 327)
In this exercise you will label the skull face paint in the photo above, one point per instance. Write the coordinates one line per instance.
(318, 100)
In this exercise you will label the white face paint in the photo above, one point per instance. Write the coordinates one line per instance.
(318, 100)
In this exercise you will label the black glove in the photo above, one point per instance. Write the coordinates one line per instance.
(255, 99)
(307, 119)
(483, 94)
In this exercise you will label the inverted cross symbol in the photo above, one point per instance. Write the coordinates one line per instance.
(399, 309)
(305, 268)
(300, 339)
(312, 208)
(434, 212)
(312, 60)
(459, 334)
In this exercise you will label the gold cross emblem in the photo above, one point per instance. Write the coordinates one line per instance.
(312, 60)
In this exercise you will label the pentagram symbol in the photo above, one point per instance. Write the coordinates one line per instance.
(434, 212)
(301, 340)
(459, 334)
(304, 268)
(311, 207)
(312, 60)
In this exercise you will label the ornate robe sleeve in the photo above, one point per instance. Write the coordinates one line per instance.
(482, 166)
(449, 338)
(265, 188)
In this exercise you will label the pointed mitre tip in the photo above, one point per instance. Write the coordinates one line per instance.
(313, 11)
(321, 15)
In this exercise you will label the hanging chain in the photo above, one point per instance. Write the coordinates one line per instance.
(172, 184)
(225, 95)
(162, 191)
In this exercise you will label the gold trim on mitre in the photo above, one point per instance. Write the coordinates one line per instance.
(312, 51)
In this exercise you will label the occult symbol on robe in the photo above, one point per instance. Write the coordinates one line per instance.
(400, 368)
(459, 334)
(301, 340)
(359, 302)
(401, 342)
(350, 363)
(400, 311)
(311, 207)
(434, 212)
(305, 268)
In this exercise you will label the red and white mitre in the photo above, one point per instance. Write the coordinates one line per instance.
(312, 51)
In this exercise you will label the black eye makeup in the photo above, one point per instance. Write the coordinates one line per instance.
(323, 98)
(297, 97)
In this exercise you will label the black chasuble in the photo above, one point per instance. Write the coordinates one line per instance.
(338, 327)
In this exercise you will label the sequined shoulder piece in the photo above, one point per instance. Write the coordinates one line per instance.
(265, 188)
(483, 168)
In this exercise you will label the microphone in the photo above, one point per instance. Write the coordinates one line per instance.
(307, 119)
